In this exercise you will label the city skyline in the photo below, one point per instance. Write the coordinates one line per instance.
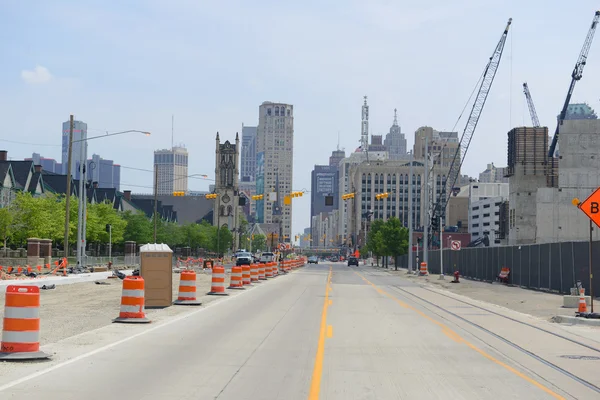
(42, 86)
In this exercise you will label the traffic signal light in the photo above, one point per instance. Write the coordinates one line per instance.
(347, 196)
(178, 194)
(382, 196)
(258, 197)
(211, 196)
(296, 194)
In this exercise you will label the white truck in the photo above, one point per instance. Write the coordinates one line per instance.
(266, 257)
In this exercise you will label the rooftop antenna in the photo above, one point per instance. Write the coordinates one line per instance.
(172, 130)
(338, 144)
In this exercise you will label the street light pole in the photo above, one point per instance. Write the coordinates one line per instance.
(81, 205)
(155, 199)
(410, 215)
(68, 189)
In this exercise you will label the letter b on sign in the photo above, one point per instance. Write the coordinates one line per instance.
(594, 207)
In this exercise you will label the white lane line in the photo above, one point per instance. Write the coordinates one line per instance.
(127, 339)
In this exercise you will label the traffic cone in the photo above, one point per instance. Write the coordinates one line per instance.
(217, 287)
(21, 325)
(187, 289)
(132, 301)
(236, 281)
(582, 303)
(246, 279)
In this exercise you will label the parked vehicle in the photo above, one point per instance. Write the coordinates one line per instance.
(243, 259)
(313, 260)
(267, 257)
(352, 261)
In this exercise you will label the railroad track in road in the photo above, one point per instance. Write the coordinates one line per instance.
(429, 304)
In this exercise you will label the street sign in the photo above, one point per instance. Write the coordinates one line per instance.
(455, 245)
(591, 207)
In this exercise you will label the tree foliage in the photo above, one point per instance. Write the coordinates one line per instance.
(44, 217)
(388, 238)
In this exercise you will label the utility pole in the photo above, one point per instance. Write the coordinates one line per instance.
(441, 250)
(410, 215)
(426, 202)
(155, 200)
(68, 191)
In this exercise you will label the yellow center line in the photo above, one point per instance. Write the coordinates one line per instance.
(457, 338)
(325, 331)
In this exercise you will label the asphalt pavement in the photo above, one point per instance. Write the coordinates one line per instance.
(323, 332)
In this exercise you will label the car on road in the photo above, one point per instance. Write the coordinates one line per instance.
(352, 261)
(243, 259)
(267, 257)
(313, 260)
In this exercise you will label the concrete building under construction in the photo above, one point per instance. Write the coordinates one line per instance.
(526, 171)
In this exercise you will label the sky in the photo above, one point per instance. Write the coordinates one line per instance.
(120, 65)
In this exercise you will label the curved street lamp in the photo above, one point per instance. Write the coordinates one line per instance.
(80, 226)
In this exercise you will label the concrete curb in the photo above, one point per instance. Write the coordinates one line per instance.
(564, 319)
(59, 280)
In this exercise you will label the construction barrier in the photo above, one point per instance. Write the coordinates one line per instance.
(187, 289)
(274, 269)
(261, 272)
(236, 281)
(21, 325)
(132, 301)
(246, 279)
(217, 287)
(268, 270)
(423, 269)
(254, 273)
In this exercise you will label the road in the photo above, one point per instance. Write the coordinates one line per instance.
(364, 335)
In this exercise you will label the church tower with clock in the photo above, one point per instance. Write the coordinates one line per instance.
(226, 210)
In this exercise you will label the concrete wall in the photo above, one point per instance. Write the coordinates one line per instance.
(522, 205)
(557, 219)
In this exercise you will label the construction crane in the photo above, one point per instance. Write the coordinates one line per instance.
(575, 76)
(534, 117)
(486, 83)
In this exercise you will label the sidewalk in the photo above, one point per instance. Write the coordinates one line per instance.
(538, 304)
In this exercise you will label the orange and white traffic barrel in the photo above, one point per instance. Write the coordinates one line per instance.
(132, 301)
(187, 289)
(236, 280)
(21, 325)
(423, 269)
(246, 279)
(254, 273)
(261, 272)
(274, 269)
(217, 287)
(268, 270)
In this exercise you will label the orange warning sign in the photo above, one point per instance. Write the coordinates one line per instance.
(591, 207)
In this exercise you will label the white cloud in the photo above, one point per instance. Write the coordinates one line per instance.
(36, 76)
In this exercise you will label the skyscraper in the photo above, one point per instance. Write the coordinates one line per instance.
(248, 154)
(105, 172)
(324, 193)
(275, 159)
(172, 170)
(336, 157)
(395, 142)
(79, 133)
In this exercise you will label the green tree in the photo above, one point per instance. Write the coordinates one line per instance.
(138, 227)
(170, 233)
(259, 242)
(395, 238)
(375, 243)
(41, 217)
(6, 224)
(224, 241)
(100, 215)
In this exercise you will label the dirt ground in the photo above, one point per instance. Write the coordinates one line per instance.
(69, 310)
(539, 304)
